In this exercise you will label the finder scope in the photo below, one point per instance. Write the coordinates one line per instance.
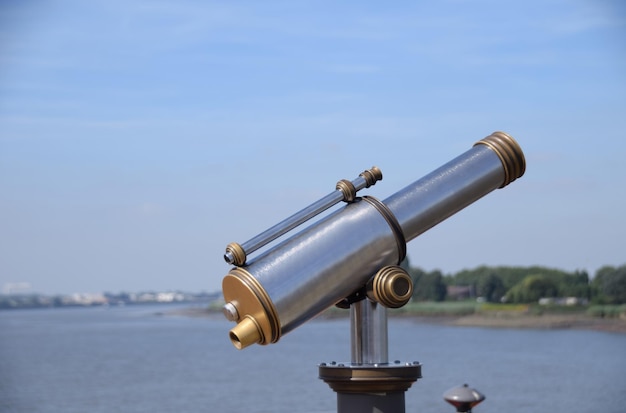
(353, 252)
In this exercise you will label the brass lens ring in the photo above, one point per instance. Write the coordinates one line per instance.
(510, 154)
(393, 224)
(235, 254)
(347, 189)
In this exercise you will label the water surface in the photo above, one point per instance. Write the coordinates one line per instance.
(139, 359)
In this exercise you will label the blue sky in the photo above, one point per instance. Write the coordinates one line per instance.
(138, 138)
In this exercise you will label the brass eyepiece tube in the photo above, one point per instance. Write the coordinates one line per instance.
(292, 282)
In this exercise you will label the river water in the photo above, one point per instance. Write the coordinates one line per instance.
(140, 359)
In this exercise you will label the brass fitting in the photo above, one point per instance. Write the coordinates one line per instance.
(510, 154)
(246, 333)
(391, 287)
(371, 176)
(235, 254)
(347, 189)
(248, 304)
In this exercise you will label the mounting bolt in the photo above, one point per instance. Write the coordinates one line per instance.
(230, 312)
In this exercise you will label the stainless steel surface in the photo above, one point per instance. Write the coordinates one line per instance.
(368, 330)
(364, 180)
(325, 262)
(445, 191)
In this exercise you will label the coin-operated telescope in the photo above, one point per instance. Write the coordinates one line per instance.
(350, 258)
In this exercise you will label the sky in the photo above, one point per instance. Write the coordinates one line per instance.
(139, 138)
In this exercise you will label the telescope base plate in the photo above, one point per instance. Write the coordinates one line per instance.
(370, 378)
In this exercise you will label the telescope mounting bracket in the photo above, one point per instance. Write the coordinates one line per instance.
(369, 383)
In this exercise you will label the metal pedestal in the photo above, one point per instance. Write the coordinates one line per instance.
(369, 383)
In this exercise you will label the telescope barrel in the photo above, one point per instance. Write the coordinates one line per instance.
(492, 163)
(286, 225)
(326, 262)
(345, 191)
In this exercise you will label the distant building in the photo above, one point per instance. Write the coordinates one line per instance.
(566, 301)
(84, 299)
(459, 292)
(16, 288)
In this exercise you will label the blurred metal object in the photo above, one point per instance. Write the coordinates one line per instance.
(333, 258)
(464, 398)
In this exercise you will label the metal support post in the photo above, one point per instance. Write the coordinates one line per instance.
(368, 328)
(369, 383)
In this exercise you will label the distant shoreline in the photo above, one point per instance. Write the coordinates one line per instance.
(493, 320)
(542, 322)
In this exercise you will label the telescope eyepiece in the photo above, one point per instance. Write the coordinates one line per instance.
(246, 333)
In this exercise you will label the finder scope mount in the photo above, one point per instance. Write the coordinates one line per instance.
(345, 190)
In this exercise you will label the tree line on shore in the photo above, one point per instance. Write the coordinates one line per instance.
(519, 284)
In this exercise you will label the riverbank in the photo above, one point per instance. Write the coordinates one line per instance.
(493, 319)
(543, 321)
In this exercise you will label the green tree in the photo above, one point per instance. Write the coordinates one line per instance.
(575, 285)
(609, 285)
(490, 287)
(428, 286)
(531, 289)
